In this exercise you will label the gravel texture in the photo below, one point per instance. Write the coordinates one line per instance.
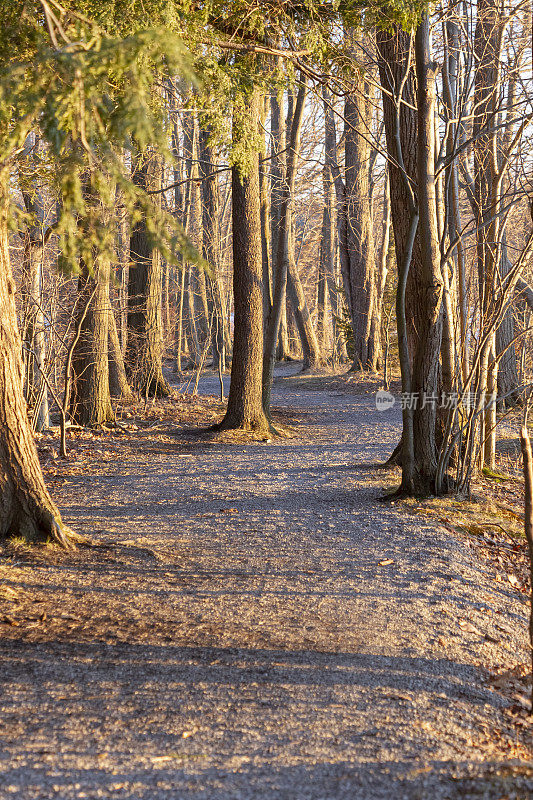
(243, 641)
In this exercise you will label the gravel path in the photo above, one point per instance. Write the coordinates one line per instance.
(265, 652)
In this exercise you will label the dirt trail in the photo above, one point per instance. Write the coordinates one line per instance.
(243, 640)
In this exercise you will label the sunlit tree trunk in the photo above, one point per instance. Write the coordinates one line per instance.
(410, 132)
(326, 258)
(264, 189)
(26, 508)
(35, 338)
(90, 400)
(245, 408)
(508, 382)
(118, 382)
(35, 329)
(426, 355)
(487, 187)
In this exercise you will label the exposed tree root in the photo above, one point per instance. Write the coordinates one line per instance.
(257, 425)
(47, 528)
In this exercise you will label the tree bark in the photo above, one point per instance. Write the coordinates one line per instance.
(35, 338)
(245, 410)
(35, 329)
(426, 355)
(312, 356)
(264, 189)
(26, 508)
(326, 264)
(508, 382)
(295, 292)
(90, 400)
(487, 194)
(118, 382)
(525, 444)
(451, 192)
(409, 129)
(123, 249)
(339, 215)
(359, 224)
(283, 254)
(145, 331)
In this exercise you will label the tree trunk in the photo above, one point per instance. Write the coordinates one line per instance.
(339, 226)
(508, 382)
(381, 276)
(325, 262)
(35, 329)
(244, 410)
(211, 247)
(90, 400)
(195, 351)
(487, 192)
(35, 338)
(264, 189)
(118, 382)
(295, 291)
(426, 355)
(123, 249)
(197, 282)
(145, 331)
(165, 267)
(359, 224)
(525, 444)
(182, 200)
(311, 350)
(282, 256)
(410, 144)
(451, 192)
(278, 163)
(26, 508)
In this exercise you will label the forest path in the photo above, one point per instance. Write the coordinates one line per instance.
(243, 640)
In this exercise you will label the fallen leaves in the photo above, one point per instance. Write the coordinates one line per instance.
(9, 594)
(467, 626)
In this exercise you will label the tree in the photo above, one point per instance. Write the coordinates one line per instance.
(244, 409)
(278, 162)
(26, 510)
(145, 328)
(118, 382)
(487, 191)
(90, 401)
(410, 131)
(34, 240)
(357, 227)
(211, 248)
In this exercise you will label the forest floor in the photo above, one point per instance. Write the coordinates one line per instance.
(253, 622)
